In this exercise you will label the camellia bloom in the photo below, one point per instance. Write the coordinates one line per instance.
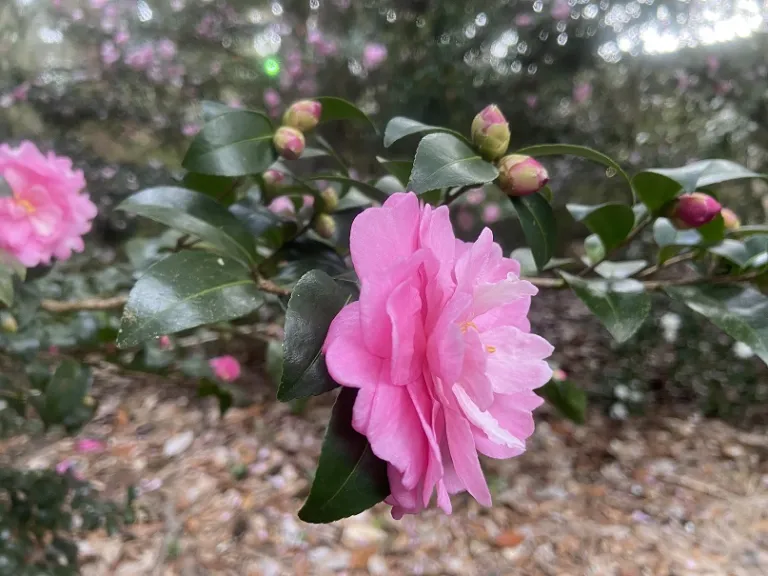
(225, 368)
(521, 175)
(439, 346)
(46, 216)
(694, 210)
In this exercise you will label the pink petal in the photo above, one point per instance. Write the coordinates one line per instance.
(464, 457)
(517, 359)
(491, 296)
(348, 360)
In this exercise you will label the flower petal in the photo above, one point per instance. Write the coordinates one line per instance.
(348, 360)
(464, 456)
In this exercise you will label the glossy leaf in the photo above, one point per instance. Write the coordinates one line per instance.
(340, 109)
(539, 150)
(621, 305)
(593, 248)
(665, 234)
(539, 227)
(620, 269)
(390, 185)
(739, 311)
(443, 161)
(612, 221)
(314, 303)
(196, 214)
(263, 224)
(748, 231)
(186, 290)
(349, 478)
(234, 144)
(567, 398)
(399, 127)
(525, 257)
(220, 188)
(212, 109)
(400, 169)
(65, 401)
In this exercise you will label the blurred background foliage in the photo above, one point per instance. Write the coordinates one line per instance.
(117, 85)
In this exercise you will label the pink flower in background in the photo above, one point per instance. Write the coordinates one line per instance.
(523, 20)
(465, 220)
(374, 55)
(141, 57)
(272, 98)
(121, 37)
(109, 53)
(491, 213)
(439, 346)
(225, 368)
(89, 446)
(47, 215)
(561, 10)
(21, 91)
(582, 92)
(475, 196)
(532, 100)
(283, 205)
(166, 49)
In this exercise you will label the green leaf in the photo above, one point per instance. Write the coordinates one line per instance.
(713, 231)
(539, 227)
(527, 264)
(5, 189)
(621, 305)
(567, 398)
(264, 224)
(233, 144)
(339, 109)
(620, 269)
(64, 400)
(571, 150)
(196, 214)
(314, 303)
(400, 169)
(186, 290)
(657, 186)
(593, 248)
(612, 221)
(220, 188)
(349, 478)
(274, 362)
(748, 231)
(208, 387)
(741, 312)
(732, 250)
(400, 127)
(390, 185)
(442, 160)
(368, 189)
(665, 234)
(213, 109)
(6, 287)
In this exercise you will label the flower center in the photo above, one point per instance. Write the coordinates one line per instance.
(466, 325)
(490, 349)
(28, 207)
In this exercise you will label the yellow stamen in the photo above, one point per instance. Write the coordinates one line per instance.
(466, 326)
(26, 205)
(490, 349)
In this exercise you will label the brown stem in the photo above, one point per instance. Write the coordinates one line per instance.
(671, 262)
(59, 307)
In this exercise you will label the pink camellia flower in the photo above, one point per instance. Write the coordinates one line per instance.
(521, 175)
(694, 210)
(225, 368)
(272, 98)
(374, 55)
(47, 215)
(283, 206)
(89, 446)
(475, 196)
(166, 49)
(439, 346)
(582, 92)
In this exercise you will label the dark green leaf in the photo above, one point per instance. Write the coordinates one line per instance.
(400, 127)
(390, 185)
(233, 144)
(400, 169)
(580, 151)
(339, 109)
(655, 190)
(186, 290)
(64, 400)
(264, 224)
(220, 188)
(314, 303)
(713, 231)
(196, 214)
(303, 255)
(567, 398)
(213, 109)
(665, 234)
(538, 222)
(593, 248)
(612, 221)
(620, 269)
(368, 189)
(732, 250)
(210, 388)
(442, 160)
(349, 478)
(621, 305)
(740, 312)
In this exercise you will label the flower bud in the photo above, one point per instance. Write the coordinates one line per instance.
(8, 323)
(272, 180)
(289, 142)
(693, 210)
(303, 115)
(490, 132)
(330, 199)
(325, 226)
(521, 175)
(730, 219)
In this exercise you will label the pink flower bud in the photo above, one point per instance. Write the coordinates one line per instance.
(225, 368)
(164, 342)
(325, 226)
(272, 98)
(283, 206)
(272, 180)
(490, 132)
(559, 375)
(330, 198)
(289, 142)
(303, 115)
(694, 210)
(521, 175)
(730, 219)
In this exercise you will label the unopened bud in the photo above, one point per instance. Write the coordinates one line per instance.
(694, 210)
(289, 142)
(521, 175)
(303, 115)
(325, 226)
(730, 219)
(330, 199)
(272, 180)
(8, 323)
(490, 132)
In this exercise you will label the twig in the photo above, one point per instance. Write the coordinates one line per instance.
(58, 307)
(631, 236)
(458, 193)
(671, 262)
(272, 288)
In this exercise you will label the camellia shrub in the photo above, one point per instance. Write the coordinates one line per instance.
(426, 335)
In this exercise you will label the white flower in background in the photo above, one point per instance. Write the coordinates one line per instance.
(742, 350)
(670, 325)
(619, 411)
(621, 391)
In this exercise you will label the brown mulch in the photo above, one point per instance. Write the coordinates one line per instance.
(656, 495)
